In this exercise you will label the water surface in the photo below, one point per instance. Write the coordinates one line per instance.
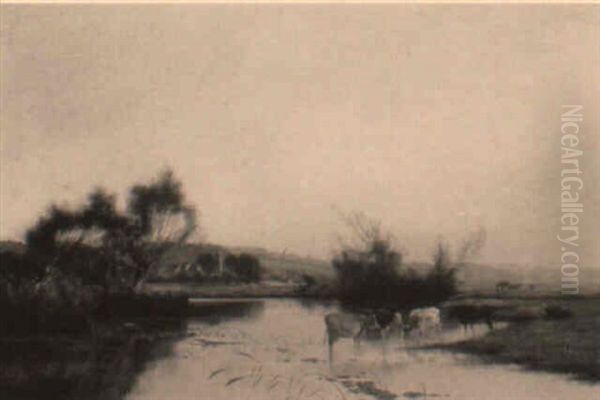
(275, 349)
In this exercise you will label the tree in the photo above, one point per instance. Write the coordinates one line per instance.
(248, 268)
(245, 267)
(365, 233)
(441, 280)
(159, 210)
(367, 268)
(209, 263)
(95, 222)
(161, 219)
(369, 272)
(16, 269)
(79, 242)
(471, 246)
(97, 242)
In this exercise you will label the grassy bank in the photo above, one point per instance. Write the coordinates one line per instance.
(567, 346)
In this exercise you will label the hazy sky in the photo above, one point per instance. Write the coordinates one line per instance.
(435, 119)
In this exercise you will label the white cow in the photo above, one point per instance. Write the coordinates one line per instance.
(424, 320)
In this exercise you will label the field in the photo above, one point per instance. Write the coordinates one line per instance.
(568, 346)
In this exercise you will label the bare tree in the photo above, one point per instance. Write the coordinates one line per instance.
(365, 233)
(471, 246)
(162, 218)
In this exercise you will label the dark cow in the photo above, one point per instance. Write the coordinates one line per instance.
(558, 312)
(520, 313)
(470, 314)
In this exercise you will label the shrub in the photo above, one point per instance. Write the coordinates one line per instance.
(368, 278)
(76, 259)
(245, 267)
(209, 263)
(370, 274)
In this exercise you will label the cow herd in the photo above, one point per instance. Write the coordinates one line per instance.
(380, 325)
(383, 325)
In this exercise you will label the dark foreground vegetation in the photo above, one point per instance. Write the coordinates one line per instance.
(77, 366)
(75, 323)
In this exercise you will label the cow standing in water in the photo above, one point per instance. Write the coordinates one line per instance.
(424, 321)
(377, 326)
(470, 314)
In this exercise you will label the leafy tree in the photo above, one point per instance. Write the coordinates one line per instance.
(16, 269)
(367, 269)
(248, 268)
(161, 219)
(159, 211)
(97, 243)
(245, 267)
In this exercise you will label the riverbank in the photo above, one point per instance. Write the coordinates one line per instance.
(265, 289)
(568, 346)
(277, 351)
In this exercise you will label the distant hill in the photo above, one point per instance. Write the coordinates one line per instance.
(473, 277)
(276, 266)
(283, 266)
(532, 279)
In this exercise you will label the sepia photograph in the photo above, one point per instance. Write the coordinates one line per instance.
(307, 200)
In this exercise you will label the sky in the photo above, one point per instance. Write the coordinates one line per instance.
(436, 120)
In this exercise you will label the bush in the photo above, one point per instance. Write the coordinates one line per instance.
(209, 263)
(19, 269)
(374, 279)
(368, 277)
(245, 267)
(78, 261)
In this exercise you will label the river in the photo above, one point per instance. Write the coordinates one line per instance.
(275, 349)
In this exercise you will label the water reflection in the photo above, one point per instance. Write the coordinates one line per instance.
(215, 311)
(276, 349)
